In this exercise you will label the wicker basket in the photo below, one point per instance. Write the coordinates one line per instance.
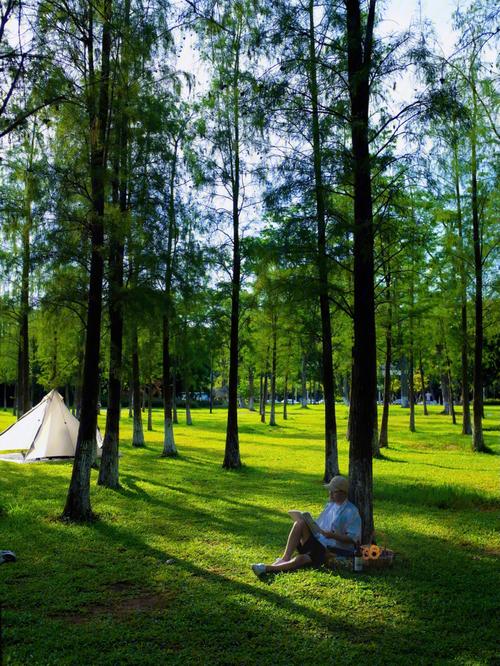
(383, 561)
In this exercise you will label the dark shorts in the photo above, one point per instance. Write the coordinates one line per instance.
(317, 552)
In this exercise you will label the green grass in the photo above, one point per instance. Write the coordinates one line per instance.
(164, 576)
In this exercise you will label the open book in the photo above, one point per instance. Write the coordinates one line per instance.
(307, 518)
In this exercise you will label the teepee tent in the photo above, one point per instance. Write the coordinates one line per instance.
(48, 430)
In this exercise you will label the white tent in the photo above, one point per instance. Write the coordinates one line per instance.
(48, 430)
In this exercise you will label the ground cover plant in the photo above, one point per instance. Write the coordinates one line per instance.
(163, 577)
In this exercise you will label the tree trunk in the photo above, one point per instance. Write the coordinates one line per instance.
(466, 422)
(285, 398)
(272, 414)
(304, 397)
(384, 426)
(189, 420)
(169, 448)
(264, 397)
(364, 380)
(445, 391)
(452, 402)
(23, 398)
(261, 393)
(138, 433)
(175, 416)
(109, 467)
(169, 406)
(232, 451)
(251, 390)
(411, 391)
(150, 407)
(424, 399)
(404, 382)
(211, 385)
(78, 506)
(477, 431)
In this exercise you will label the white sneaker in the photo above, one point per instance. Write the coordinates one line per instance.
(259, 569)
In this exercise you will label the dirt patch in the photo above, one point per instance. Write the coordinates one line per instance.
(119, 608)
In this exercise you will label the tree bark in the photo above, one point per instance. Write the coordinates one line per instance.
(109, 467)
(411, 391)
(189, 419)
(150, 407)
(364, 379)
(138, 433)
(424, 399)
(78, 506)
(169, 410)
(211, 384)
(477, 430)
(251, 390)
(272, 414)
(304, 397)
(285, 398)
(384, 426)
(331, 453)
(264, 396)
(466, 419)
(232, 451)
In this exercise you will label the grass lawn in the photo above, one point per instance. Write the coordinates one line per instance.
(164, 576)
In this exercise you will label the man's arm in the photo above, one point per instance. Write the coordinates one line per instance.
(343, 538)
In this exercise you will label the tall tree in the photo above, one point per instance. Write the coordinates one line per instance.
(78, 505)
(364, 376)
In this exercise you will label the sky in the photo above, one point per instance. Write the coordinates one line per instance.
(398, 14)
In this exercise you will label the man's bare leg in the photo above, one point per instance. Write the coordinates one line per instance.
(298, 534)
(290, 565)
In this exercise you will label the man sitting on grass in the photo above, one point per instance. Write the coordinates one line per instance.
(340, 530)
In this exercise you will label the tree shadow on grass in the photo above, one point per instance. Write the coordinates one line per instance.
(214, 617)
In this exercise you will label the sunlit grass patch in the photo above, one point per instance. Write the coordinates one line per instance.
(164, 576)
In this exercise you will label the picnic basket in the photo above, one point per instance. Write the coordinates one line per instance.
(375, 557)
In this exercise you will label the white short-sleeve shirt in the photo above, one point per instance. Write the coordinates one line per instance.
(341, 518)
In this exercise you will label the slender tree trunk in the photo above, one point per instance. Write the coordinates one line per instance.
(384, 426)
(109, 467)
(331, 453)
(466, 421)
(404, 382)
(150, 407)
(285, 398)
(445, 391)
(211, 385)
(422, 378)
(364, 380)
(477, 431)
(272, 415)
(375, 441)
(175, 416)
(169, 407)
(264, 397)
(78, 506)
(304, 397)
(138, 433)
(261, 393)
(79, 381)
(232, 451)
(452, 402)
(189, 420)
(130, 399)
(23, 381)
(251, 390)
(411, 392)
